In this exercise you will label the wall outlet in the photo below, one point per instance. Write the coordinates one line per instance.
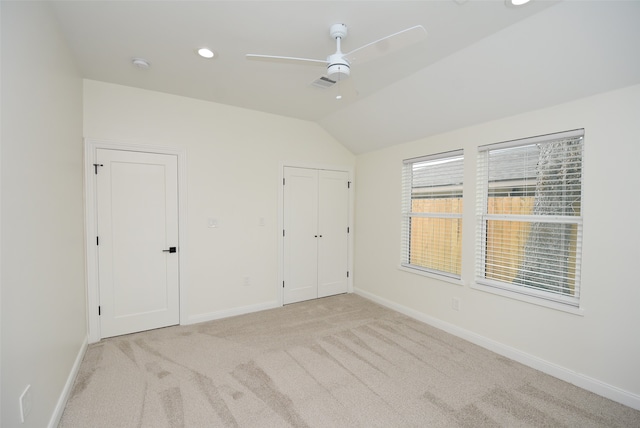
(247, 281)
(26, 403)
(455, 304)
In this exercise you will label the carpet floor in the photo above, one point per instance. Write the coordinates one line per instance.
(341, 361)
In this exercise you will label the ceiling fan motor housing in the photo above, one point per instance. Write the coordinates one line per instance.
(338, 67)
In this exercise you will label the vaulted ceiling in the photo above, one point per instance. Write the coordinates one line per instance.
(480, 60)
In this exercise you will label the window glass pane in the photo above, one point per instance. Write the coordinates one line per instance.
(436, 205)
(544, 259)
(529, 207)
(432, 217)
(505, 241)
(510, 205)
(436, 243)
(550, 172)
(437, 179)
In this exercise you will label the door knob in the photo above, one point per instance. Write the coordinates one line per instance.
(170, 250)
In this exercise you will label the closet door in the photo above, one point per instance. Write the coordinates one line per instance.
(300, 235)
(316, 217)
(333, 220)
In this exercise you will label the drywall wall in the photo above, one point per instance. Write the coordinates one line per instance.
(43, 293)
(599, 346)
(233, 166)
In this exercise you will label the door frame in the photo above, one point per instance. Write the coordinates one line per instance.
(350, 173)
(91, 147)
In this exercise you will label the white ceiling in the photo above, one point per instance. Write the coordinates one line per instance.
(481, 60)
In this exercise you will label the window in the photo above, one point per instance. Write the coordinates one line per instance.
(432, 213)
(529, 211)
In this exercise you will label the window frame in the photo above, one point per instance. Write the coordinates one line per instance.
(537, 295)
(408, 214)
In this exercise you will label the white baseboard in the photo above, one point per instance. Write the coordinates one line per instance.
(66, 391)
(590, 384)
(231, 312)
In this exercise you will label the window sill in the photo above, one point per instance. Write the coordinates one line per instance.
(433, 275)
(529, 299)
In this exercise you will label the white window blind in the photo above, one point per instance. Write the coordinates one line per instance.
(529, 211)
(432, 213)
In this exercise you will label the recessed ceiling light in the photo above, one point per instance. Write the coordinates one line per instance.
(516, 2)
(140, 63)
(206, 53)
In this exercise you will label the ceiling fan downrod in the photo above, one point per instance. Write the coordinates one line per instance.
(337, 66)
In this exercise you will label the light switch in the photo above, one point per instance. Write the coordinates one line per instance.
(212, 222)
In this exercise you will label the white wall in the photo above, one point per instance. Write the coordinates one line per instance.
(43, 294)
(233, 158)
(599, 349)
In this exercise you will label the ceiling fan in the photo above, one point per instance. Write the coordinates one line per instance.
(338, 64)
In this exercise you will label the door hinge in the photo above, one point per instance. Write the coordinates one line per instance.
(282, 232)
(348, 185)
(283, 181)
(97, 240)
(95, 166)
(282, 284)
(347, 274)
(347, 229)
(99, 311)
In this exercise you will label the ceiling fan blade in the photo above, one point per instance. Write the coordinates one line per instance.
(387, 45)
(288, 59)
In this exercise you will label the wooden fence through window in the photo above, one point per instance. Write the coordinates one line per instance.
(436, 243)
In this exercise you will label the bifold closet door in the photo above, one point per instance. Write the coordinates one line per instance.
(316, 215)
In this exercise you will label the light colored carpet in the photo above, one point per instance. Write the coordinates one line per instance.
(341, 361)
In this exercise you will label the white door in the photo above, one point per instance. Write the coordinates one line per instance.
(333, 221)
(137, 210)
(316, 216)
(300, 234)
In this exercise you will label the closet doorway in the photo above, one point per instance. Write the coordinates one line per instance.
(316, 232)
